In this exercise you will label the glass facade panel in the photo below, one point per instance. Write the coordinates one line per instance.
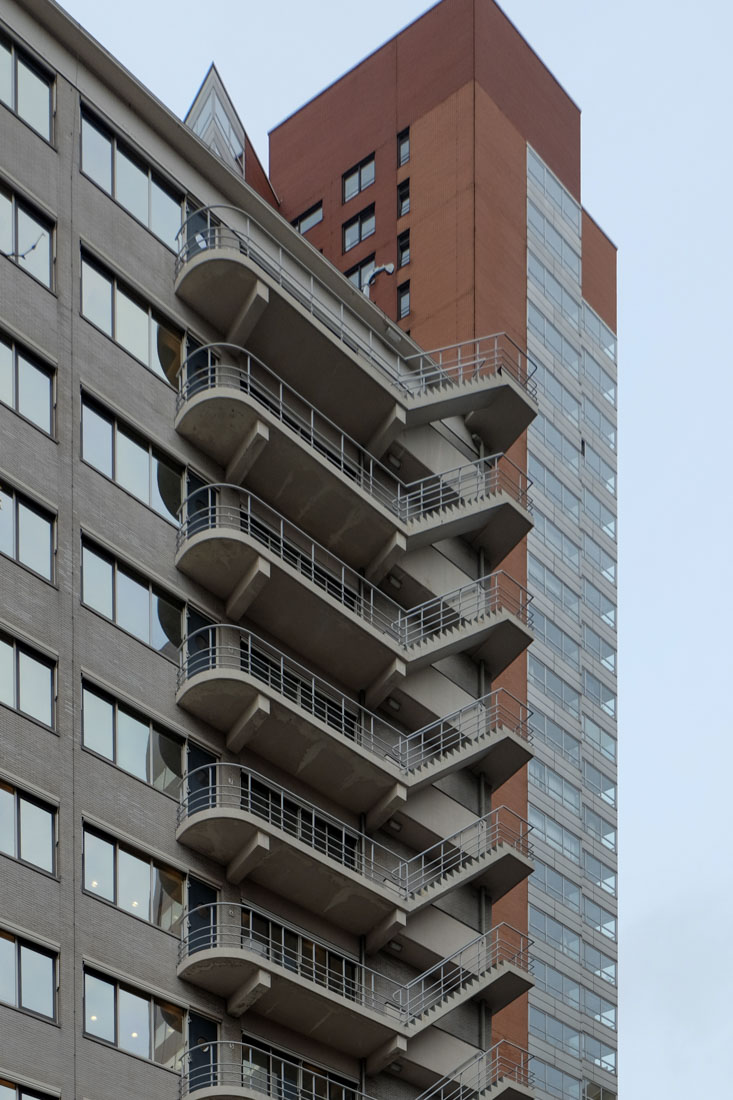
(8, 975)
(165, 487)
(35, 393)
(96, 297)
(167, 350)
(132, 469)
(133, 1023)
(166, 762)
(96, 155)
(133, 884)
(133, 606)
(6, 75)
(132, 744)
(165, 214)
(97, 579)
(99, 866)
(34, 247)
(99, 1008)
(35, 540)
(35, 689)
(34, 99)
(37, 981)
(6, 374)
(98, 721)
(6, 224)
(97, 434)
(7, 673)
(7, 820)
(7, 524)
(167, 1034)
(167, 899)
(132, 326)
(166, 626)
(36, 835)
(131, 186)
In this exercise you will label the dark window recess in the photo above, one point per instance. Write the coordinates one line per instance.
(403, 198)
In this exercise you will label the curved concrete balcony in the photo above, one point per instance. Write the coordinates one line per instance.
(237, 1071)
(327, 340)
(257, 562)
(255, 694)
(348, 1005)
(258, 829)
(231, 406)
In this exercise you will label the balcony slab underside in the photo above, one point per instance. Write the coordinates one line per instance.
(309, 620)
(497, 408)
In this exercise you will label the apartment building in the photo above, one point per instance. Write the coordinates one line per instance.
(265, 737)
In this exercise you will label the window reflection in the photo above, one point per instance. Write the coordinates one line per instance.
(36, 834)
(168, 1034)
(133, 884)
(132, 744)
(96, 297)
(133, 605)
(6, 74)
(131, 326)
(99, 1008)
(34, 395)
(96, 154)
(166, 633)
(131, 186)
(38, 981)
(99, 866)
(35, 688)
(132, 467)
(97, 581)
(96, 439)
(34, 246)
(8, 976)
(34, 98)
(35, 540)
(98, 720)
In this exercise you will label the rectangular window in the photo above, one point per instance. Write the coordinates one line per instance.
(558, 195)
(599, 331)
(554, 1031)
(403, 147)
(552, 338)
(556, 737)
(554, 784)
(129, 180)
(27, 532)
(131, 601)
(556, 540)
(601, 920)
(553, 241)
(362, 273)
(600, 513)
(556, 639)
(27, 681)
(131, 741)
(27, 828)
(132, 881)
(600, 423)
(27, 976)
(310, 217)
(544, 927)
(554, 834)
(600, 378)
(403, 198)
(554, 439)
(121, 454)
(553, 488)
(600, 964)
(599, 737)
(359, 228)
(599, 782)
(542, 578)
(599, 693)
(558, 886)
(599, 603)
(403, 249)
(600, 874)
(26, 237)
(26, 385)
(558, 985)
(25, 88)
(358, 178)
(547, 681)
(599, 827)
(554, 1080)
(600, 1053)
(604, 562)
(603, 470)
(557, 393)
(403, 300)
(129, 321)
(553, 290)
(133, 1021)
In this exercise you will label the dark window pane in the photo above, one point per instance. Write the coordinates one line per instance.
(34, 247)
(133, 606)
(99, 1008)
(35, 688)
(7, 524)
(34, 99)
(165, 487)
(96, 297)
(131, 186)
(8, 976)
(351, 185)
(134, 1023)
(37, 981)
(98, 724)
(131, 326)
(165, 214)
(6, 370)
(36, 835)
(35, 540)
(367, 174)
(34, 393)
(96, 155)
(6, 75)
(99, 866)
(166, 762)
(132, 744)
(166, 626)
(168, 1035)
(97, 439)
(97, 582)
(133, 884)
(166, 354)
(132, 468)
(167, 898)
(7, 820)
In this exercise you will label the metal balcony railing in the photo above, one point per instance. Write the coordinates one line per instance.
(203, 369)
(231, 508)
(226, 926)
(416, 375)
(243, 651)
(228, 787)
(504, 1061)
(236, 1065)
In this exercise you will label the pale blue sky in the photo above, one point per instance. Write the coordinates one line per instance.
(654, 83)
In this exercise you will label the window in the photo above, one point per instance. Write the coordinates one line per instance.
(599, 693)
(598, 1008)
(131, 741)
(554, 784)
(359, 228)
(133, 882)
(556, 737)
(549, 484)
(600, 423)
(403, 249)
(554, 190)
(546, 928)
(553, 685)
(554, 834)
(599, 782)
(131, 323)
(554, 439)
(25, 88)
(592, 1091)
(129, 180)
(403, 198)
(554, 1031)
(553, 290)
(557, 393)
(599, 603)
(600, 964)
(26, 533)
(130, 460)
(9, 1091)
(27, 828)
(310, 217)
(556, 639)
(362, 273)
(603, 740)
(286, 946)
(26, 385)
(599, 873)
(131, 601)
(600, 513)
(542, 578)
(556, 540)
(599, 827)
(403, 300)
(555, 983)
(26, 237)
(558, 886)
(27, 976)
(603, 470)
(359, 178)
(599, 331)
(403, 147)
(553, 241)
(133, 1021)
(601, 920)
(599, 377)
(552, 339)
(27, 681)
(270, 1067)
(599, 1052)
(554, 1080)
(604, 562)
